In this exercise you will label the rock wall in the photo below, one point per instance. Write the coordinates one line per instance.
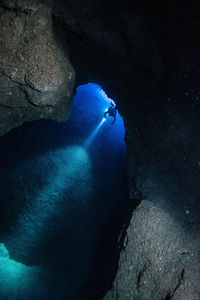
(143, 55)
(36, 78)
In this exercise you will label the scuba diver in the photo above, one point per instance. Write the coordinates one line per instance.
(112, 111)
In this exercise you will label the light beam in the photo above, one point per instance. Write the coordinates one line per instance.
(72, 168)
(94, 133)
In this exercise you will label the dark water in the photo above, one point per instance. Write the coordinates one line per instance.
(64, 199)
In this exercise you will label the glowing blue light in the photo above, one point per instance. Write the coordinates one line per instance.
(64, 175)
(90, 105)
(18, 279)
(47, 203)
(92, 136)
(103, 120)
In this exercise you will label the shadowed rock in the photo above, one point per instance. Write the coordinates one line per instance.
(36, 78)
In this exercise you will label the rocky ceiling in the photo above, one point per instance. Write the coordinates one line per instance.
(145, 54)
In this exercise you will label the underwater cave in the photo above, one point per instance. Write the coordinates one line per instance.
(65, 201)
(99, 150)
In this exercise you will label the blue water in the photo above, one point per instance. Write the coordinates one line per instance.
(63, 192)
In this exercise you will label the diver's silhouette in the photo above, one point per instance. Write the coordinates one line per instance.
(112, 111)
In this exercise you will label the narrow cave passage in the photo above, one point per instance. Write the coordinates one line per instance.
(64, 201)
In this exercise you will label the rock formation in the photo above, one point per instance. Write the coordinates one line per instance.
(36, 78)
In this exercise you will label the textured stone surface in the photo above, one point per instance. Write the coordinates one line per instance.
(158, 259)
(36, 78)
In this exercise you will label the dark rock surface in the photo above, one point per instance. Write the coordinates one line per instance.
(36, 78)
(160, 260)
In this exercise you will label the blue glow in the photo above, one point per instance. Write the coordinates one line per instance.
(92, 136)
(90, 104)
(48, 202)
(18, 279)
(67, 178)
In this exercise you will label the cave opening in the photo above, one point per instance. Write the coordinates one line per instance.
(64, 192)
